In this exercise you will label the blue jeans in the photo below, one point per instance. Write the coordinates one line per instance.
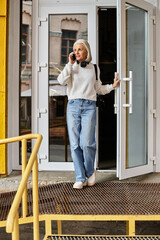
(81, 121)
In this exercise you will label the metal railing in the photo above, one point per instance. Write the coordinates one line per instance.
(32, 165)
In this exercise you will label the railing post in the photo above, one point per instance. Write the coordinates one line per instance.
(35, 201)
(24, 164)
(131, 227)
(59, 222)
(15, 233)
(48, 227)
(59, 227)
(12, 219)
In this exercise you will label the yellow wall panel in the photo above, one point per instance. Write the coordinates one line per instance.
(3, 84)
(2, 53)
(3, 166)
(2, 114)
(3, 7)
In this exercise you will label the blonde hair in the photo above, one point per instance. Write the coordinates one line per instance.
(87, 47)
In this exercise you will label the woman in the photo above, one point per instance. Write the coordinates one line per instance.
(82, 87)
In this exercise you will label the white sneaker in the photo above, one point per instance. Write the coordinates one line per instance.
(92, 179)
(79, 185)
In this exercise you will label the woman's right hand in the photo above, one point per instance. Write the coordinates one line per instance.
(116, 81)
(71, 58)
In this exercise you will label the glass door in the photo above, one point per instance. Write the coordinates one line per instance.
(135, 121)
(60, 27)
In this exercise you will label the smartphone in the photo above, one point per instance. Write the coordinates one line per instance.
(73, 57)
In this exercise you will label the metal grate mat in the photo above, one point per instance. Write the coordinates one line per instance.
(103, 238)
(102, 199)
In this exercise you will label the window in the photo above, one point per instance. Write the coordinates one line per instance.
(68, 39)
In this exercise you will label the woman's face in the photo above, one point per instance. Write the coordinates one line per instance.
(80, 52)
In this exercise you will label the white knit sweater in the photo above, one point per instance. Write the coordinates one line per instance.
(81, 82)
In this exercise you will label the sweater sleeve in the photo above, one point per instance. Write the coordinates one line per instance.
(65, 76)
(102, 89)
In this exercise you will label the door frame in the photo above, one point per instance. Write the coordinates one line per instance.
(75, 8)
(122, 172)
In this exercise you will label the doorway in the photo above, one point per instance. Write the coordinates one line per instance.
(121, 57)
(107, 127)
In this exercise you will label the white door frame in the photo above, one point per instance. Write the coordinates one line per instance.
(42, 103)
(157, 105)
(123, 172)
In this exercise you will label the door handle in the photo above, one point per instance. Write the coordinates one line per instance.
(130, 98)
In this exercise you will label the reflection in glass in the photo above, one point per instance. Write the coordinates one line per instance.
(64, 30)
(26, 70)
(137, 61)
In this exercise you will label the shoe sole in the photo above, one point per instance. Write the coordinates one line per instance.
(91, 184)
(78, 187)
(84, 185)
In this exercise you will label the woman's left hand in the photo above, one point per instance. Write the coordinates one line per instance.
(116, 81)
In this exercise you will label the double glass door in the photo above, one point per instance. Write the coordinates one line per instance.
(60, 26)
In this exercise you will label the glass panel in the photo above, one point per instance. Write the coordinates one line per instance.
(72, 34)
(26, 71)
(65, 34)
(24, 29)
(24, 40)
(63, 60)
(23, 58)
(71, 43)
(23, 49)
(64, 43)
(69, 34)
(64, 51)
(70, 50)
(137, 61)
(60, 27)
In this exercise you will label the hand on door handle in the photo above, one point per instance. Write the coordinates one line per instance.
(116, 81)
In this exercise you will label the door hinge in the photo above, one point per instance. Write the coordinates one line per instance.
(41, 111)
(42, 157)
(41, 20)
(154, 112)
(153, 159)
(154, 65)
(153, 18)
(41, 65)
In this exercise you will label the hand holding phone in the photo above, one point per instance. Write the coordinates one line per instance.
(72, 57)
